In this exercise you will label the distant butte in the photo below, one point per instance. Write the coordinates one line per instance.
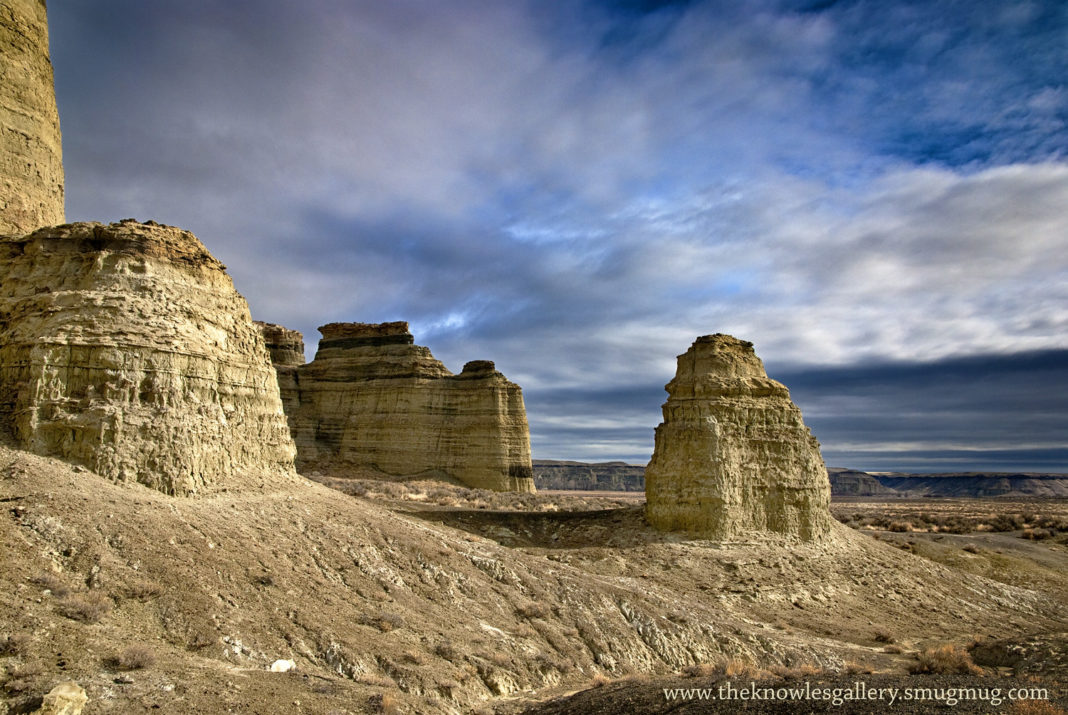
(372, 400)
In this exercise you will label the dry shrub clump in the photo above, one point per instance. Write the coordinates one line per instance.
(52, 583)
(85, 607)
(883, 636)
(384, 703)
(947, 660)
(143, 590)
(135, 657)
(533, 610)
(15, 644)
(447, 651)
(384, 622)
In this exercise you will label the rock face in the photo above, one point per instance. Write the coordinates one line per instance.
(732, 456)
(31, 165)
(125, 348)
(373, 400)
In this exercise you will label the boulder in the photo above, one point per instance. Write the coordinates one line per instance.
(126, 349)
(67, 698)
(733, 458)
(31, 156)
(374, 401)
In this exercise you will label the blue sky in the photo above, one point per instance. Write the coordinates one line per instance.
(874, 193)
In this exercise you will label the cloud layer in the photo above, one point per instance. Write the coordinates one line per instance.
(577, 190)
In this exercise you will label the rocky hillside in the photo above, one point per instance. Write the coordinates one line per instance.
(425, 597)
(619, 476)
(976, 485)
(600, 476)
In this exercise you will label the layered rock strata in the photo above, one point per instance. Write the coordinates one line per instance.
(125, 348)
(374, 400)
(286, 348)
(31, 165)
(733, 457)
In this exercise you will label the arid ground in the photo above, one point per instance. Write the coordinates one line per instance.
(424, 597)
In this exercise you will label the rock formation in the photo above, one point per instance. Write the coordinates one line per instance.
(125, 348)
(373, 400)
(31, 167)
(732, 456)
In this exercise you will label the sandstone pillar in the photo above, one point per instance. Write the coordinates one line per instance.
(31, 163)
(732, 457)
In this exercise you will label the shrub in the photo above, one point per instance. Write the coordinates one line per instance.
(900, 526)
(384, 703)
(85, 607)
(533, 610)
(447, 652)
(142, 590)
(23, 678)
(51, 582)
(15, 644)
(947, 660)
(384, 622)
(883, 636)
(135, 657)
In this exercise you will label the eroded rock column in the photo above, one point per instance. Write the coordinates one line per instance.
(126, 348)
(733, 457)
(31, 161)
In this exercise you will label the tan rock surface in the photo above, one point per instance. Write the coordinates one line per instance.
(733, 457)
(67, 698)
(125, 348)
(372, 399)
(31, 164)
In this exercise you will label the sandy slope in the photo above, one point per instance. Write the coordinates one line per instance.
(407, 605)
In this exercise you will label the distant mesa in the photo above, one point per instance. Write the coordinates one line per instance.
(372, 400)
(732, 457)
(31, 156)
(125, 348)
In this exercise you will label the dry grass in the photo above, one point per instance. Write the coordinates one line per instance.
(797, 672)
(23, 678)
(947, 659)
(85, 607)
(1035, 707)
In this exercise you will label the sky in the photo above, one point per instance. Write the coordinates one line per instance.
(873, 192)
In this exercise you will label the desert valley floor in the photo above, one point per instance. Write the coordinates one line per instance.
(428, 597)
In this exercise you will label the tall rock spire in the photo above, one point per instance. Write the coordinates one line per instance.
(31, 158)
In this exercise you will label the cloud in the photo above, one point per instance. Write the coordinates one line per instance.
(577, 190)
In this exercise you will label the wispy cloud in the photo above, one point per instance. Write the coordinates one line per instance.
(576, 190)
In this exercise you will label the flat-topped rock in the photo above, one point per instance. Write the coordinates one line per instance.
(285, 346)
(733, 457)
(372, 400)
(125, 348)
